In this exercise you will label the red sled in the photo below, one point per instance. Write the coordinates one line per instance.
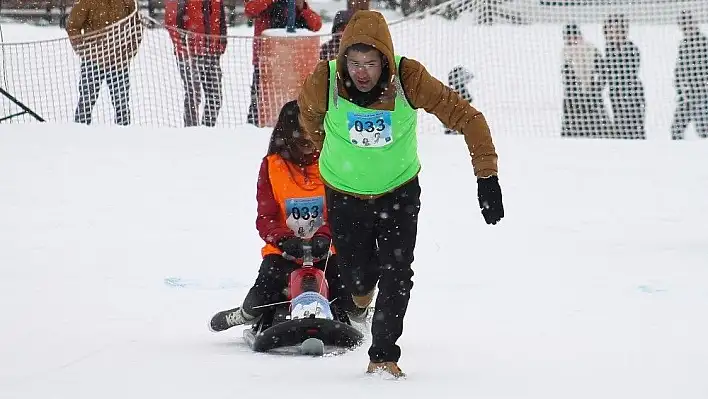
(309, 323)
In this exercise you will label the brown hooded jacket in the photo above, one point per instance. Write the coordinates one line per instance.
(107, 31)
(421, 89)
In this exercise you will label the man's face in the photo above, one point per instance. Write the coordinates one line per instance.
(364, 68)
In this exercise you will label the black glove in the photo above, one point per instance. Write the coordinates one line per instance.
(291, 246)
(490, 199)
(320, 246)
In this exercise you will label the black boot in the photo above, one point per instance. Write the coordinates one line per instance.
(229, 318)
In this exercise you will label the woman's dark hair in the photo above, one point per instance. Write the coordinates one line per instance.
(286, 139)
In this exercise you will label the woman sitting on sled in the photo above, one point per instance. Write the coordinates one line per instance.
(291, 206)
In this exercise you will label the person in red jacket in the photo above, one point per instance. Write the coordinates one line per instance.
(289, 186)
(198, 32)
(273, 14)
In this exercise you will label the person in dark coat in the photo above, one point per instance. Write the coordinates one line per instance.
(691, 80)
(621, 72)
(457, 80)
(584, 113)
(330, 49)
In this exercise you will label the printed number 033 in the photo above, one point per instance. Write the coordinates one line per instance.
(304, 212)
(370, 126)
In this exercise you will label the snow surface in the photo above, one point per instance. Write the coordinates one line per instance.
(594, 284)
(118, 244)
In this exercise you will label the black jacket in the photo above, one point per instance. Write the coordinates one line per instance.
(620, 69)
(691, 71)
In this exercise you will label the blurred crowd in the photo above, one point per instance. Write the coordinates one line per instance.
(198, 33)
(586, 72)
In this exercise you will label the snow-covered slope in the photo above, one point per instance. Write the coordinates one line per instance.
(594, 285)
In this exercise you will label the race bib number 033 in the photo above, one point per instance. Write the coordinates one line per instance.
(370, 129)
(305, 215)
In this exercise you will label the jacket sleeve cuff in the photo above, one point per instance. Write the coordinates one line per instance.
(275, 236)
(325, 230)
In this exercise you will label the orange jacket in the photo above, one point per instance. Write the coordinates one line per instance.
(291, 202)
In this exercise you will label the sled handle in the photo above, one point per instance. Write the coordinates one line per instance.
(307, 259)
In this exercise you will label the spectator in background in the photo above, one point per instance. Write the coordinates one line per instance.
(691, 80)
(491, 11)
(198, 32)
(273, 14)
(583, 109)
(106, 35)
(621, 72)
(329, 50)
(457, 80)
(356, 5)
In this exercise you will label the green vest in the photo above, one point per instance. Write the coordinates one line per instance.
(368, 151)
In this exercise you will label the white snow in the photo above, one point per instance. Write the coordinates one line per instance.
(593, 285)
(117, 245)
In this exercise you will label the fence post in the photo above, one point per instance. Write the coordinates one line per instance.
(291, 16)
(151, 8)
(62, 14)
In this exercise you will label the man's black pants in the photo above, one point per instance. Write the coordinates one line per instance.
(201, 73)
(629, 114)
(92, 76)
(252, 117)
(391, 223)
(687, 112)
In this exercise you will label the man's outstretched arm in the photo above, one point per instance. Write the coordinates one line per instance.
(426, 92)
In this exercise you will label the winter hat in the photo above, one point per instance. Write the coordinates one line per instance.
(572, 30)
(685, 18)
(459, 76)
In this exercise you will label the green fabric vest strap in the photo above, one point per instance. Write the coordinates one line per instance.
(368, 151)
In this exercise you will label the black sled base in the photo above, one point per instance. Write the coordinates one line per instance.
(290, 335)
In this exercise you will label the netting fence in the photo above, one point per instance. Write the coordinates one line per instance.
(607, 68)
